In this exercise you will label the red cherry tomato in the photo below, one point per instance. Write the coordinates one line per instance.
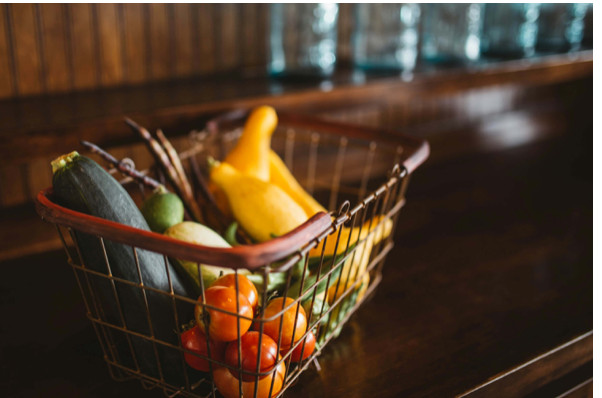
(290, 330)
(310, 345)
(228, 385)
(245, 286)
(249, 348)
(223, 326)
(194, 340)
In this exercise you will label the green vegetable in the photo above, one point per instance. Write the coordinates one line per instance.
(199, 234)
(230, 234)
(162, 209)
(312, 266)
(81, 184)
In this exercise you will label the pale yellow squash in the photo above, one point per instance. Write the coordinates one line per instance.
(251, 153)
(281, 176)
(262, 209)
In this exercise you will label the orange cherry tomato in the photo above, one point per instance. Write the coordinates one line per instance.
(249, 348)
(290, 329)
(195, 342)
(223, 326)
(310, 345)
(228, 385)
(245, 286)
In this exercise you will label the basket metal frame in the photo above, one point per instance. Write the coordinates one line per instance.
(385, 201)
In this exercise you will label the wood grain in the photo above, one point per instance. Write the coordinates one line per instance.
(207, 37)
(55, 47)
(183, 59)
(84, 47)
(109, 35)
(136, 57)
(26, 48)
(160, 41)
(7, 80)
(52, 48)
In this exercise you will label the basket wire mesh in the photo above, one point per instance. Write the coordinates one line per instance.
(326, 289)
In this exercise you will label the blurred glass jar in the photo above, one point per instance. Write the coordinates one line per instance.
(588, 27)
(560, 26)
(303, 39)
(509, 30)
(451, 32)
(385, 36)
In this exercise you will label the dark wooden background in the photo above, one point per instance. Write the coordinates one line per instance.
(53, 48)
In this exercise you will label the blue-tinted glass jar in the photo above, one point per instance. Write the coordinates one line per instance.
(588, 28)
(451, 32)
(385, 36)
(560, 26)
(303, 39)
(509, 30)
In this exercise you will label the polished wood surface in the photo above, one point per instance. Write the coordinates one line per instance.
(44, 126)
(491, 272)
(490, 99)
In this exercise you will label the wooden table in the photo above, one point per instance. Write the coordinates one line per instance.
(488, 292)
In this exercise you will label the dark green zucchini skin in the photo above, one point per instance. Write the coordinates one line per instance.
(85, 186)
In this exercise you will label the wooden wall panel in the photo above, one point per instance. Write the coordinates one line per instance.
(84, 52)
(53, 48)
(183, 40)
(228, 36)
(207, 41)
(135, 43)
(26, 49)
(7, 79)
(109, 40)
(160, 44)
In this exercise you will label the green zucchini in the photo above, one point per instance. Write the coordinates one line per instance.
(81, 184)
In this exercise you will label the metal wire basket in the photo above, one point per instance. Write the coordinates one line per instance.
(329, 265)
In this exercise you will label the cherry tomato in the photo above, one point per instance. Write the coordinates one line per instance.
(228, 385)
(289, 327)
(310, 344)
(249, 348)
(195, 341)
(223, 326)
(245, 286)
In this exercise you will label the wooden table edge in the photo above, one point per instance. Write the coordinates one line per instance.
(537, 372)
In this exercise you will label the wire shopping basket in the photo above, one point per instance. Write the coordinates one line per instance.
(317, 275)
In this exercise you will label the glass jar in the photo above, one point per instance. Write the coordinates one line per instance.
(560, 26)
(385, 36)
(509, 30)
(588, 28)
(303, 39)
(451, 32)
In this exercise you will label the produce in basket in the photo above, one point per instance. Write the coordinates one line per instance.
(81, 184)
(162, 209)
(304, 349)
(262, 209)
(194, 343)
(229, 386)
(289, 326)
(244, 285)
(199, 234)
(380, 227)
(223, 315)
(251, 353)
(283, 178)
(251, 154)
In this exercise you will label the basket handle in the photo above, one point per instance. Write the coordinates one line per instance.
(243, 256)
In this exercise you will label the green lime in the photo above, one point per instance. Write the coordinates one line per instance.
(162, 210)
